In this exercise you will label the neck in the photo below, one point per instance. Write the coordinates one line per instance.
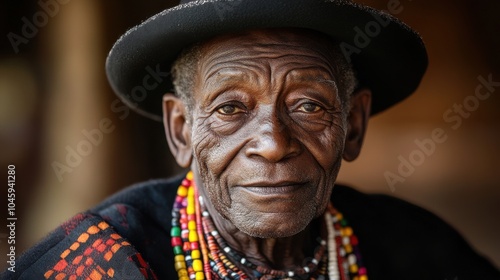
(283, 253)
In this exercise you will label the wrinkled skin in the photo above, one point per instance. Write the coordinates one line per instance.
(266, 138)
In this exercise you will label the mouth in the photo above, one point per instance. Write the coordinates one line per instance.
(271, 189)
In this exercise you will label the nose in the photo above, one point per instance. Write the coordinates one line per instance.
(273, 141)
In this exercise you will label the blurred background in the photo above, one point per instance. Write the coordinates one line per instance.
(54, 92)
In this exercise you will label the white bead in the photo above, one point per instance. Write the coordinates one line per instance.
(342, 252)
(227, 249)
(333, 270)
(352, 259)
(243, 260)
(346, 240)
(290, 274)
(306, 269)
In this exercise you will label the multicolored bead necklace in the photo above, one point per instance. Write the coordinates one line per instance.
(201, 252)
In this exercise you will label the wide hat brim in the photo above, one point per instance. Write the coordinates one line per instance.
(388, 56)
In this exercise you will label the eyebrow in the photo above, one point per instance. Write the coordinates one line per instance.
(218, 77)
(329, 82)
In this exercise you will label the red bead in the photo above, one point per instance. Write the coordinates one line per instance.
(191, 217)
(186, 183)
(176, 241)
(354, 240)
(194, 246)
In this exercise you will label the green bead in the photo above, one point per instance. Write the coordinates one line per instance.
(343, 222)
(178, 250)
(175, 232)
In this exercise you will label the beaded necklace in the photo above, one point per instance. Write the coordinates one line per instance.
(201, 252)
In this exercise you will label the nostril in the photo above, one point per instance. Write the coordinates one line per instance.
(274, 145)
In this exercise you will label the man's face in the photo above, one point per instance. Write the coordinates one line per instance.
(267, 130)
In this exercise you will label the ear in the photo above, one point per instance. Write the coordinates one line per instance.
(177, 129)
(357, 121)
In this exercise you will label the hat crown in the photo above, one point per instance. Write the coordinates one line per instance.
(186, 1)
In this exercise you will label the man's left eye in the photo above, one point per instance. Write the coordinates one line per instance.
(309, 108)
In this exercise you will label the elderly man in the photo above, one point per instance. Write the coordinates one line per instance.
(270, 96)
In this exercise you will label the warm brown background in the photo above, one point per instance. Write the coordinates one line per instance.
(55, 87)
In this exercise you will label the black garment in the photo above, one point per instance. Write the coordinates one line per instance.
(397, 240)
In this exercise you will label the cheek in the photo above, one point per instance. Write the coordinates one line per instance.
(213, 150)
(331, 139)
(213, 153)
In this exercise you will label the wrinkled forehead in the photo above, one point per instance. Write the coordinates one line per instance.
(278, 41)
(298, 46)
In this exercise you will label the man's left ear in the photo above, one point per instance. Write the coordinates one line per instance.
(357, 121)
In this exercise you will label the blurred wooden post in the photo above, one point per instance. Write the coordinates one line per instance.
(76, 102)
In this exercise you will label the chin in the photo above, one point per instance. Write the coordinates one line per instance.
(274, 225)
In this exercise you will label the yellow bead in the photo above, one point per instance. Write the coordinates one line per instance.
(348, 231)
(182, 273)
(363, 277)
(190, 207)
(179, 258)
(192, 225)
(182, 191)
(197, 265)
(200, 276)
(348, 248)
(355, 278)
(184, 278)
(339, 216)
(353, 268)
(195, 254)
(180, 265)
(189, 176)
(193, 236)
(191, 192)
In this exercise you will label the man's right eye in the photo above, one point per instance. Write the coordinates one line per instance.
(229, 110)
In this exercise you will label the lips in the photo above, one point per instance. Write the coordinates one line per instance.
(270, 189)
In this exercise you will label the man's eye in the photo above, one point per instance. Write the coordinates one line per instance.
(309, 108)
(229, 110)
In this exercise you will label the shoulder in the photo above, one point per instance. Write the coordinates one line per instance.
(85, 246)
(104, 241)
(397, 237)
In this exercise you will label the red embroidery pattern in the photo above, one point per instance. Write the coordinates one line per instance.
(90, 255)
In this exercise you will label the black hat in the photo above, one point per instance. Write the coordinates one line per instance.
(388, 56)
